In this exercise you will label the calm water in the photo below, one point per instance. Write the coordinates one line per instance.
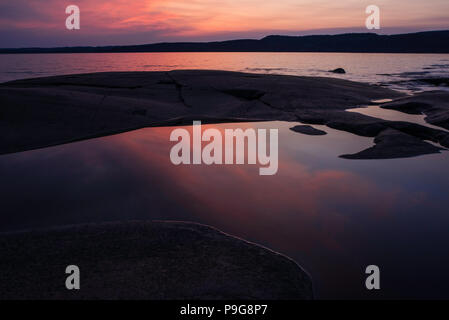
(373, 68)
(333, 216)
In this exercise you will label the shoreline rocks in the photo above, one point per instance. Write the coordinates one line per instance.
(434, 104)
(145, 260)
(41, 112)
(390, 142)
(338, 70)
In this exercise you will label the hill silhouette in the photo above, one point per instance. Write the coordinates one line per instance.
(421, 42)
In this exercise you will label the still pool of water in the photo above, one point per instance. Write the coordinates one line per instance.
(333, 216)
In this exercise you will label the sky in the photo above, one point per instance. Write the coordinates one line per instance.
(41, 23)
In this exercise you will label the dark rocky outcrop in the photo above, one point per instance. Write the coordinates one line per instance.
(435, 81)
(434, 104)
(145, 260)
(338, 70)
(309, 130)
(367, 126)
(47, 111)
(390, 143)
(54, 110)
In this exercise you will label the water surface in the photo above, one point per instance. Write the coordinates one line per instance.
(333, 216)
(394, 70)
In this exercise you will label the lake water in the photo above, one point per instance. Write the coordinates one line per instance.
(333, 216)
(395, 70)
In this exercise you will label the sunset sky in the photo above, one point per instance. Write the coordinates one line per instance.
(26, 23)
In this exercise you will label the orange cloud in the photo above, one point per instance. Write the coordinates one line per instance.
(176, 19)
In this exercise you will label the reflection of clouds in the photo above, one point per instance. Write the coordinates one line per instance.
(331, 221)
(296, 208)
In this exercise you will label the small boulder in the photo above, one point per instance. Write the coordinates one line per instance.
(338, 70)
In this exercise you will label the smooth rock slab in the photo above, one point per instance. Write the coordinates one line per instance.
(41, 112)
(145, 260)
(413, 138)
(434, 104)
(338, 70)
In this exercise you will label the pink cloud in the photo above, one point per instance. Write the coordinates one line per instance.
(160, 20)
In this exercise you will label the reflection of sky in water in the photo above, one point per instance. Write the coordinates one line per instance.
(333, 216)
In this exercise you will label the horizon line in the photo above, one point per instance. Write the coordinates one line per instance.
(229, 40)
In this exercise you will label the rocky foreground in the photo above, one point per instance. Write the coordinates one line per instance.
(47, 111)
(145, 260)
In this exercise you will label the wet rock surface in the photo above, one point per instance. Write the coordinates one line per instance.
(145, 260)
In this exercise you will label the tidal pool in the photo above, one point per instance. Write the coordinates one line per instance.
(333, 216)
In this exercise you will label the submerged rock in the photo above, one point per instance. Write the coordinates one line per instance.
(309, 130)
(145, 260)
(435, 81)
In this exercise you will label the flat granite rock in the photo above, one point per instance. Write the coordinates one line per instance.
(41, 112)
(367, 126)
(390, 142)
(36, 113)
(145, 260)
(434, 104)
